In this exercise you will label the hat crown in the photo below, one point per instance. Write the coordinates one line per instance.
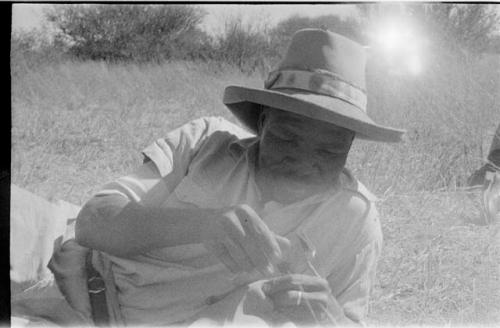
(316, 49)
(322, 76)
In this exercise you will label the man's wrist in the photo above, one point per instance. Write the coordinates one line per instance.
(201, 221)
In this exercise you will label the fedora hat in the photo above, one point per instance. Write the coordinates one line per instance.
(322, 76)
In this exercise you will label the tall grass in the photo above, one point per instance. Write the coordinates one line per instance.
(77, 125)
(450, 112)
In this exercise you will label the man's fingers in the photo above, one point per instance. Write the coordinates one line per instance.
(285, 245)
(297, 298)
(259, 259)
(302, 306)
(296, 282)
(239, 256)
(244, 244)
(232, 227)
(247, 240)
(223, 255)
(259, 233)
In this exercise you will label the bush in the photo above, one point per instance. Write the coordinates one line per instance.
(252, 48)
(32, 49)
(124, 32)
(459, 27)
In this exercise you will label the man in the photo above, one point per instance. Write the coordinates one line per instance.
(492, 162)
(488, 177)
(220, 225)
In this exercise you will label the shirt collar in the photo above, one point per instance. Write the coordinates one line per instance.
(238, 147)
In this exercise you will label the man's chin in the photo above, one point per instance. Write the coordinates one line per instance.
(301, 183)
(289, 189)
(293, 191)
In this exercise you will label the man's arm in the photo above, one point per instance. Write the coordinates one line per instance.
(125, 219)
(118, 226)
(236, 235)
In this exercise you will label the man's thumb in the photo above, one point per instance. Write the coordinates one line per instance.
(285, 246)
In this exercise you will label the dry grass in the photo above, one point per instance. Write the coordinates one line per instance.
(436, 268)
(79, 125)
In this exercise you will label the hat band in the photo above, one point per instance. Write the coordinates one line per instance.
(317, 82)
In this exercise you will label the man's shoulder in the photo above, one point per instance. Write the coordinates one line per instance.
(352, 185)
(359, 206)
(224, 137)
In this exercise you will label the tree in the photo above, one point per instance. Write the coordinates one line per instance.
(123, 32)
(464, 27)
(243, 45)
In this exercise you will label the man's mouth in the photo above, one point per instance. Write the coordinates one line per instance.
(293, 170)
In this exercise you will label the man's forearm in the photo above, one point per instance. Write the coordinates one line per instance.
(115, 225)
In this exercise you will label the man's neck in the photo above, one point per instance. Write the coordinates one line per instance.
(288, 192)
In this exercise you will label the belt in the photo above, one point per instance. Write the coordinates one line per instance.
(97, 294)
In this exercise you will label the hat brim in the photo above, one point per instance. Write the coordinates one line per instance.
(241, 101)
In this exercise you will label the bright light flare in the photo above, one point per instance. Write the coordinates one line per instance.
(391, 38)
(399, 45)
(415, 65)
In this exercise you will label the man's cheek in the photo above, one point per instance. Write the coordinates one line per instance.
(331, 168)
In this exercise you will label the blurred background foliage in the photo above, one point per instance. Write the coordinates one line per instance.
(146, 33)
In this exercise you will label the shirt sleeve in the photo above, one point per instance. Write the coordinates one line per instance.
(354, 299)
(170, 157)
(352, 284)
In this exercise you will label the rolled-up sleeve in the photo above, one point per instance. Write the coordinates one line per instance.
(170, 157)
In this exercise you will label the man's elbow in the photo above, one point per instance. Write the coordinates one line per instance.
(85, 231)
(94, 223)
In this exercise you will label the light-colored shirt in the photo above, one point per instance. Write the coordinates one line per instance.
(209, 163)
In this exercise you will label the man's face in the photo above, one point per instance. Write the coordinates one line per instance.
(302, 150)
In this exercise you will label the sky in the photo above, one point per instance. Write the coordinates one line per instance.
(29, 16)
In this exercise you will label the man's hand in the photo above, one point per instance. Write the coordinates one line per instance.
(242, 241)
(302, 298)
